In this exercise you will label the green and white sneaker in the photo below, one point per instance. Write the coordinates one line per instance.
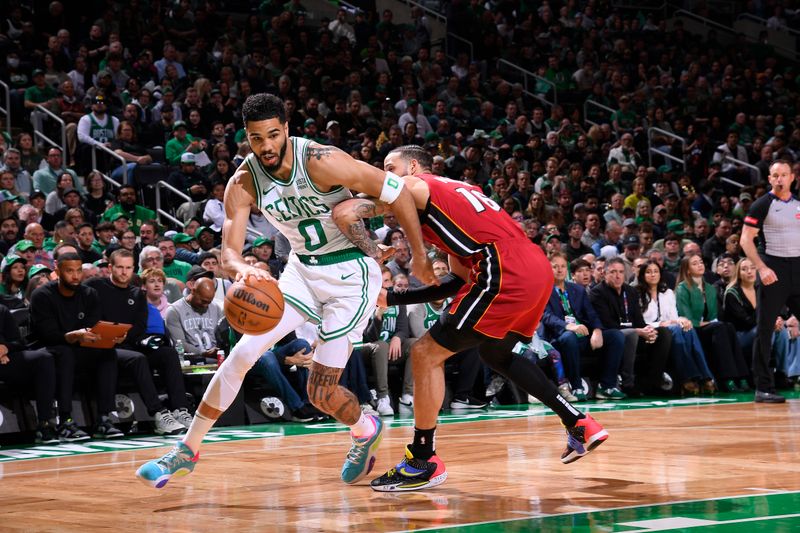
(610, 394)
(179, 461)
(361, 457)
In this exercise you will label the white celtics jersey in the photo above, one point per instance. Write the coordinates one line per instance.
(297, 208)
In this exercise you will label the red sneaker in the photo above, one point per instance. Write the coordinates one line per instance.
(582, 438)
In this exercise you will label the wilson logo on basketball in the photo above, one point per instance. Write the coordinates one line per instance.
(243, 295)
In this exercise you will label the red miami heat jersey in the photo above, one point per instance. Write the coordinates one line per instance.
(461, 220)
(510, 278)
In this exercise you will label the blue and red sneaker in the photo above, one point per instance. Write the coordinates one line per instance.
(582, 438)
(410, 474)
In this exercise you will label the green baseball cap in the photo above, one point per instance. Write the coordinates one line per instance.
(38, 269)
(201, 229)
(25, 245)
(675, 226)
(182, 238)
(261, 241)
(10, 259)
(8, 196)
(119, 215)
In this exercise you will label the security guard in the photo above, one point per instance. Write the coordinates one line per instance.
(775, 218)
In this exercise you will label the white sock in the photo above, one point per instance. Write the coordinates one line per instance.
(197, 432)
(363, 428)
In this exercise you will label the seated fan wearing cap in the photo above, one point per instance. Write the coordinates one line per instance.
(188, 179)
(126, 204)
(181, 143)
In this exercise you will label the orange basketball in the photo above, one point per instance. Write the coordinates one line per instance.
(255, 307)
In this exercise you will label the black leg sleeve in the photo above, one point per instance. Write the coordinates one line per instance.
(497, 355)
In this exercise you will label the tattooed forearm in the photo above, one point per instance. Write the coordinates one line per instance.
(358, 235)
(318, 152)
(349, 217)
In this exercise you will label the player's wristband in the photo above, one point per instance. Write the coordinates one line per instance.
(448, 286)
(392, 185)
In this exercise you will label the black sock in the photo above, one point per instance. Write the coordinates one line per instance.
(423, 446)
(63, 417)
(530, 377)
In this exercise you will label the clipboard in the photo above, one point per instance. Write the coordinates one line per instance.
(107, 331)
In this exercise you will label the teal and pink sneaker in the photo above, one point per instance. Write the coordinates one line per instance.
(179, 461)
(361, 457)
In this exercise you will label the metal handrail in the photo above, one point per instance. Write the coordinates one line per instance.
(160, 212)
(708, 23)
(438, 16)
(525, 74)
(253, 231)
(732, 182)
(7, 109)
(704, 21)
(60, 121)
(457, 38)
(753, 168)
(665, 133)
(763, 21)
(586, 104)
(115, 155)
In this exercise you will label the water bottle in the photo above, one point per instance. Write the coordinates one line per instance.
(180, 349)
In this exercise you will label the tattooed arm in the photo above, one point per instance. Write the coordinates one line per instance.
(349, 215)
(330, 167)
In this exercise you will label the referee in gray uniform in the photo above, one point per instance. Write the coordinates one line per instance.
(775, 219)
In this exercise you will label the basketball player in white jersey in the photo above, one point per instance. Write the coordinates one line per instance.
(329, 281)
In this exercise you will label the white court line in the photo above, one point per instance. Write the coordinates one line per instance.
(305, 446)
(603, 510)
(129, 461)
(715, 523)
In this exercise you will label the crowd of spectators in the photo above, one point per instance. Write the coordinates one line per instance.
(161, 85)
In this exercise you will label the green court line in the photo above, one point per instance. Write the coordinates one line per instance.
(773, 512)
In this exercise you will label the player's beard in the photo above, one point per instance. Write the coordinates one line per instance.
(70, 286)
(281, 154)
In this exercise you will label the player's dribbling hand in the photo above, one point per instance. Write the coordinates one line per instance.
(386, 253)
(253, 272)
(422, 269)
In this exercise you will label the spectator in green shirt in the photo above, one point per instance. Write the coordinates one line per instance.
(136, 214)
(182, 142)
(40, 93)
(173, 268)
(624, 119)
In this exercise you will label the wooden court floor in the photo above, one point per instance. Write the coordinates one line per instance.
(501, 472)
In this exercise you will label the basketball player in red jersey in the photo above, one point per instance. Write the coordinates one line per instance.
(501, 282)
